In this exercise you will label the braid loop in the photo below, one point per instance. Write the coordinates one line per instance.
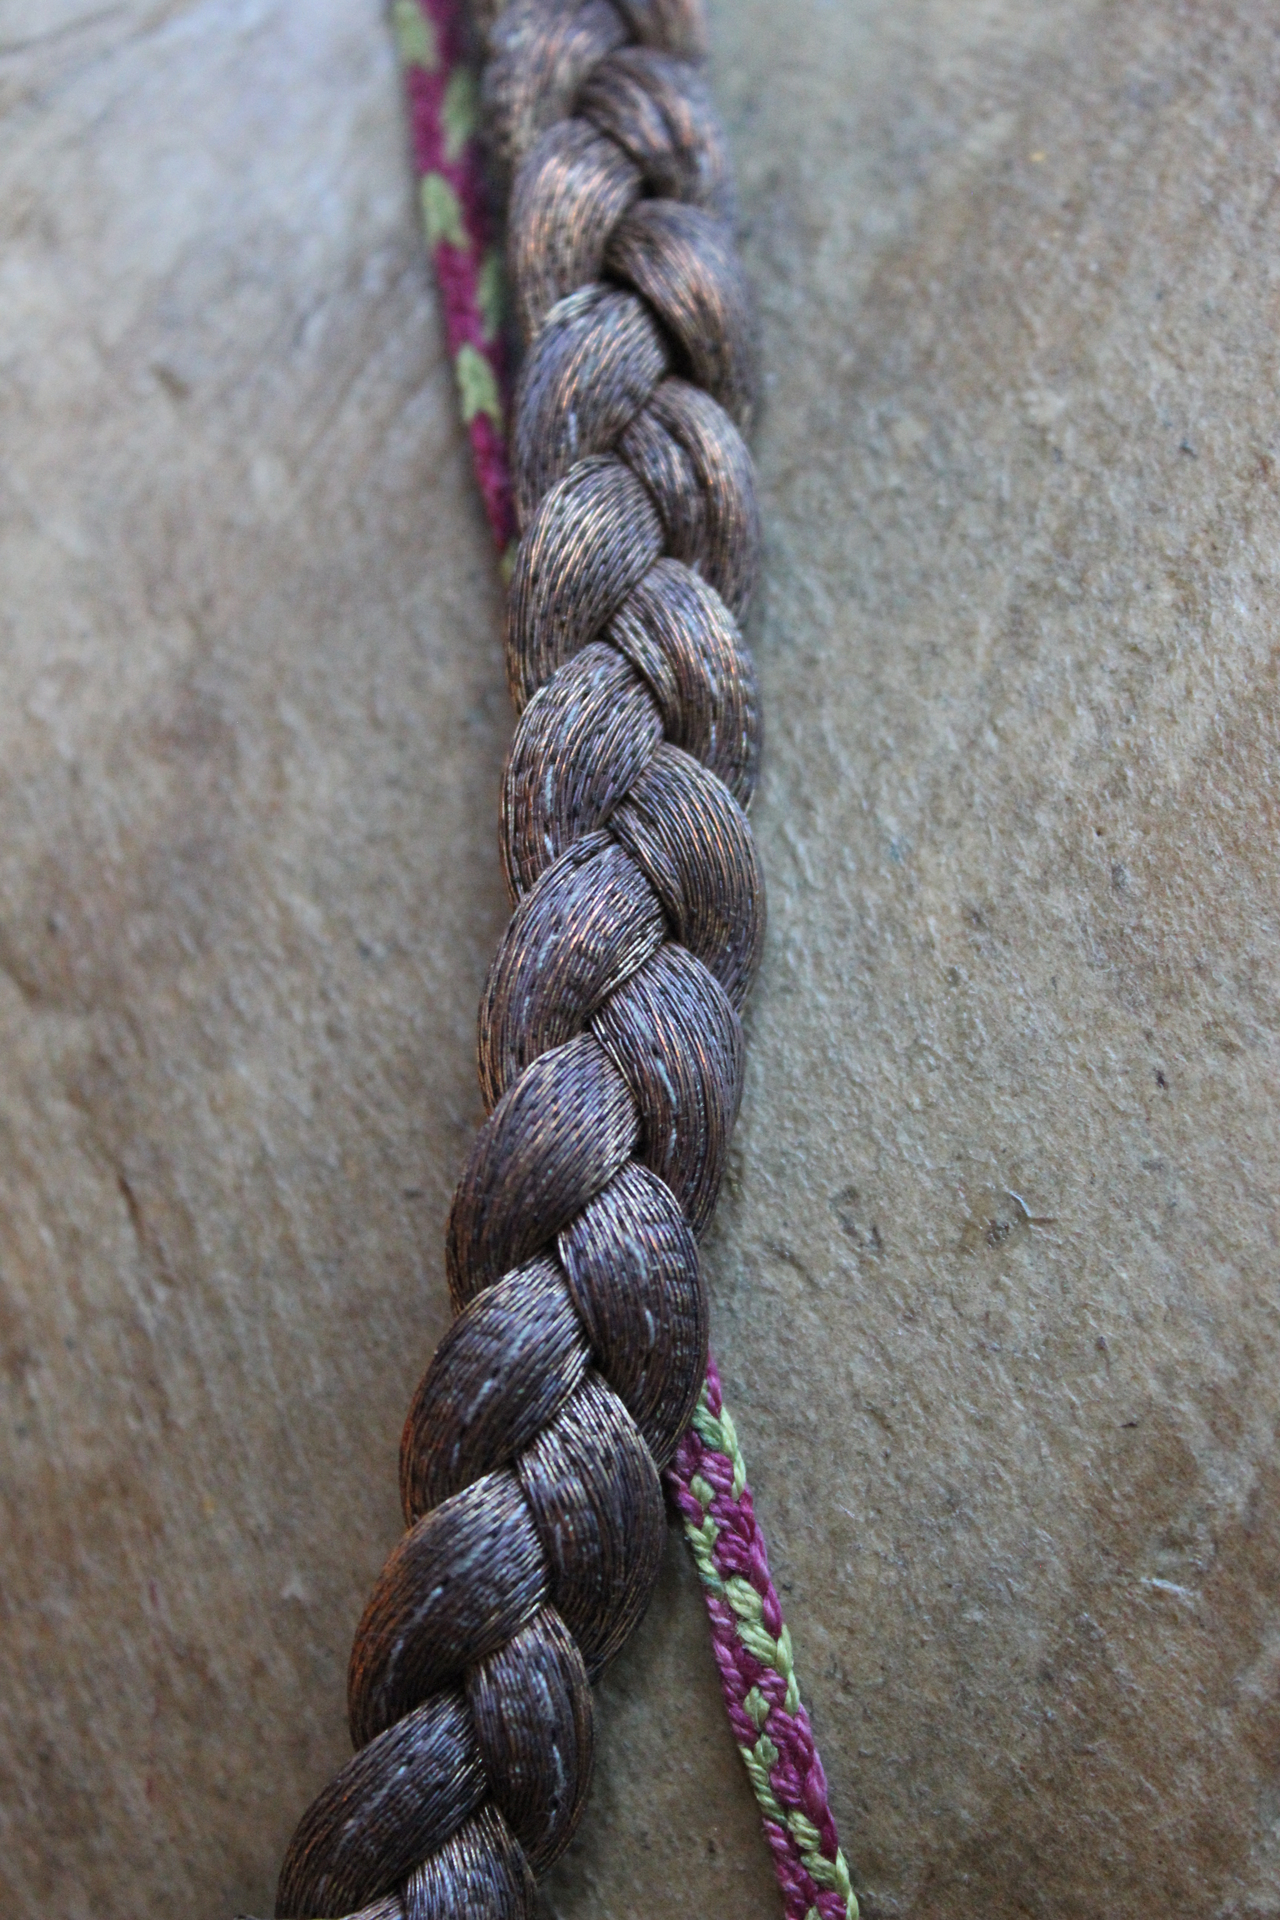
(610, 1039)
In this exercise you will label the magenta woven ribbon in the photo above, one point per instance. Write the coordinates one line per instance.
(445, 149)
(760, 1693)
(706, 1481)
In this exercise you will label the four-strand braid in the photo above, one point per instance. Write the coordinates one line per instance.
(610, 1044)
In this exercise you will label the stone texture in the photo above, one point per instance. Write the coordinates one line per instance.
(996, 1275)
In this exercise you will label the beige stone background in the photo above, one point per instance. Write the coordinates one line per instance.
(995, 1279)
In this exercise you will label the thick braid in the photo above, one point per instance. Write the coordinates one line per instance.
(610, 1043)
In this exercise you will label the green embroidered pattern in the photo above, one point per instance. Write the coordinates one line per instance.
(477, 385)
(415, 36)
(738, 1613)
(490, 294)
(442, 212)
(459, 111)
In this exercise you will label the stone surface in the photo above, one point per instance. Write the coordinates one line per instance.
(996, 1278)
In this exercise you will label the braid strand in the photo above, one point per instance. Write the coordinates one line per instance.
(610, 1037)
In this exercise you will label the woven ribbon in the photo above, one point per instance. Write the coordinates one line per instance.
(577, 1369)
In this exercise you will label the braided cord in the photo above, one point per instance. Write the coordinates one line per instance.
(610, 1039)
(707, 1479)
(443, 117)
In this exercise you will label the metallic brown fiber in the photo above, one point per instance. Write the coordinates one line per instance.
(691, 840)
(553, 1141)
(631, 1264)
(730, 556)
(610, 1046)
(583, 928)
(678, 632)
(682, 259)
(677, 26)
(582, 743)
(395, 1801)
(504, 1369)
(658, 458)
(678, 1042)
(539, 56)
(592, 538)
(480, 1873)
(594, 365)
(460, 1583)
(596, 1499)
(531, 1709)
(571, 190)
(659, 112)
(696, 467)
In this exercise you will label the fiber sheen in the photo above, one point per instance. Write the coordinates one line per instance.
(610, 1042)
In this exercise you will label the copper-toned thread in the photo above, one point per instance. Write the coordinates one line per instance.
(610, 1043)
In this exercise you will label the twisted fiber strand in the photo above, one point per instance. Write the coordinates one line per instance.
(610, 1043)
(443, 119)
(708, 1481)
